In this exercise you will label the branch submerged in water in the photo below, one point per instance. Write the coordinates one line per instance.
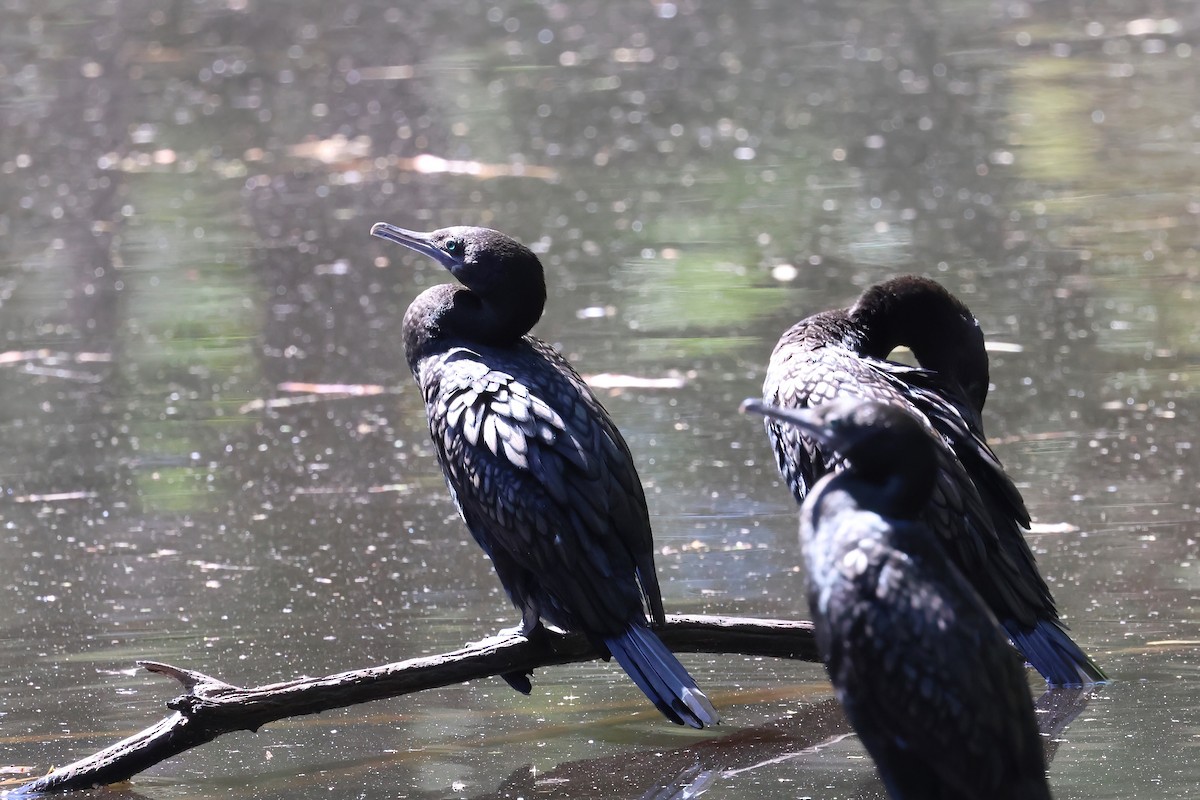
(210, 707)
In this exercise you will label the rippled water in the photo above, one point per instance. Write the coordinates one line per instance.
(185, 272)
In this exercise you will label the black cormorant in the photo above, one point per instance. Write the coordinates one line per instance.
(976, 509)
(539, 472)
(920, 664)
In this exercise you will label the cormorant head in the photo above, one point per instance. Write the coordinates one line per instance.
(504, 290)
(485, 261)
(942, 332)
(880, 442)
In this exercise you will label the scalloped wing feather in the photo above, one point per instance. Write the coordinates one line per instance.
(545, 482)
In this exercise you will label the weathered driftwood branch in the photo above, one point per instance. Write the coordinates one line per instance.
(211, 707)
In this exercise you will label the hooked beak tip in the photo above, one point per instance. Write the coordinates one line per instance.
(414, 240)
(800, 418)
(411, 239)
(751, 405)
(385, 230)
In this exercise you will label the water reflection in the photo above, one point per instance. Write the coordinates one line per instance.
(183, 243)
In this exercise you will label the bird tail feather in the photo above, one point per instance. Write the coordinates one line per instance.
(661, 677)
(1050, 650)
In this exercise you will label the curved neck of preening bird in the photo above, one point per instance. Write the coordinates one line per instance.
(451, 311)
(939, 329)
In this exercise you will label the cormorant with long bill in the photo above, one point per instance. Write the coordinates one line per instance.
(923, 669)
(975, 508)
(539, 472)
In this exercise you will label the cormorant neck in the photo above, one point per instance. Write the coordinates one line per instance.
(450, 313)
(902, 475)
(920, 314)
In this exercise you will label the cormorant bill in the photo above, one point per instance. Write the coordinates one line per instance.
(976, 510)
(535, 465)
(923, 669)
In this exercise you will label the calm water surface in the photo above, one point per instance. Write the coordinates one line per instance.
(185, 274)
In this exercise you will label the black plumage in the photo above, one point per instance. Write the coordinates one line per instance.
(975, 508)
(920, 664)
(539, 472)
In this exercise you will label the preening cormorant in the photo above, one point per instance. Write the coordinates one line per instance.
(975, 509)
(920, 664)
(538, 471)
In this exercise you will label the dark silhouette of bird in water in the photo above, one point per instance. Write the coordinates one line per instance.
(920, 664)
(539, 472)
(975, 509)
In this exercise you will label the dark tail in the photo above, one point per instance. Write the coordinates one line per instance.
(1049, 648)
(519, 681)
(661, 677)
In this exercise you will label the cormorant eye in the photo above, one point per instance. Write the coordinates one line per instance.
(454, 247)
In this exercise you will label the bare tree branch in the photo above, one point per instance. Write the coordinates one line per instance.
(211, 707)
